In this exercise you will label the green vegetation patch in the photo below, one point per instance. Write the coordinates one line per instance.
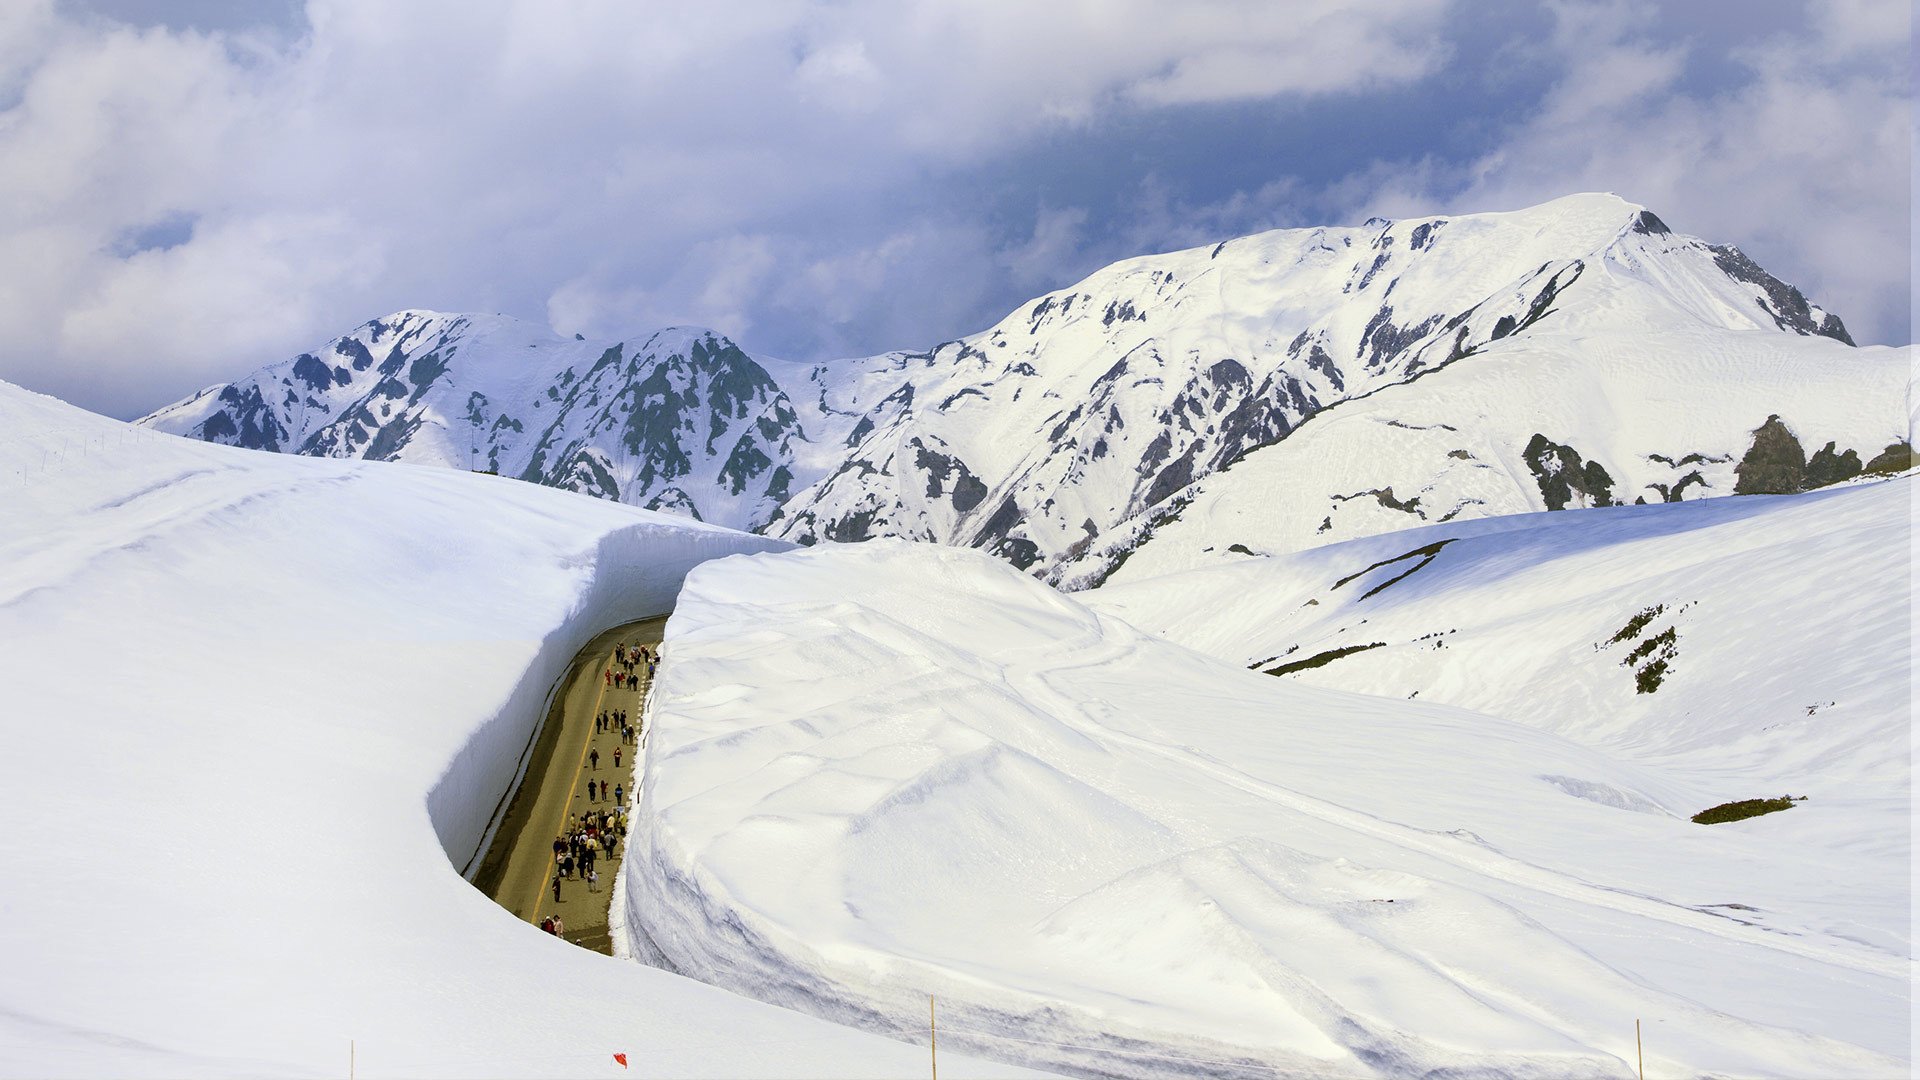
(1651, 659)
(1743, 809)
(1637, 623)
(1662, 640)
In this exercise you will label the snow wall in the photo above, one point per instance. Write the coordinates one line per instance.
(634, 573)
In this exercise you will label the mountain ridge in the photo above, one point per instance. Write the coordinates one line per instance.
(1085, 411)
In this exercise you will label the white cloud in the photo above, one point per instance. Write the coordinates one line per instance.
(927, 274)
(601, 159)
(1804, 161)
(1056, 243)
(796, 171)
(1312, 47)
(236, 286)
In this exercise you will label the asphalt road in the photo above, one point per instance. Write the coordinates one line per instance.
(518, 869)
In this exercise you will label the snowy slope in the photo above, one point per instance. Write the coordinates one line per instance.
(680, 420)
(1060, 435)
(1598, 418)
(252, 708)
(1762, 638)
(893, 770)
(1063, 437)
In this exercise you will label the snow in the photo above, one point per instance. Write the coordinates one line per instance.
(891, 771)
(1652, 409)
(257, 710)
(678, 419)
(1780, 604)
(1083, 417)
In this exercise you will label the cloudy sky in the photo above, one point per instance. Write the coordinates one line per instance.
(191, 189)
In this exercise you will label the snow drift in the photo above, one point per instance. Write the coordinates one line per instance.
(887, 772)
(254, 705)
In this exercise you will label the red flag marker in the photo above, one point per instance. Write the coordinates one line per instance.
(622, 1059)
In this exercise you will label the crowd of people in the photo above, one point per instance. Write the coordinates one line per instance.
(627, 662)
(597, 833)
(587, 838)
(578, 851)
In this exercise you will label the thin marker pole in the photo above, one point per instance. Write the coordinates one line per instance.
(1637, 1051)
(933, 1038)
(350, 1059)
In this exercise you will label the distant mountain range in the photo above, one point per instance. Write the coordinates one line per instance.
(1261, 395)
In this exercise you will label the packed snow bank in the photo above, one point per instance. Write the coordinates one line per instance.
(251, 705)
(886, 772)
(643, 566)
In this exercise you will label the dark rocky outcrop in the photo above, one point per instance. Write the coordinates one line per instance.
(948, 475)
(1775, 464)
(1826, 467)
(1649, 224)
(1561, 474)
(1896, 458)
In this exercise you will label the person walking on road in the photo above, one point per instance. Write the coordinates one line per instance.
(616, 757)
(594, 757)
(593, 881)
(556, 888)
(617, 790)
(592, 789)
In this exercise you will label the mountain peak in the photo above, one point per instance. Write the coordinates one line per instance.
(1094, 412)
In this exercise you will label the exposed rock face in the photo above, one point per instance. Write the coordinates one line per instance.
(1788, 308)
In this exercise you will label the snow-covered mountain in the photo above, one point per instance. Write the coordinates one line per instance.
(680, 420)
(1620, 361)
(1060, 438)
(1602, 417)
